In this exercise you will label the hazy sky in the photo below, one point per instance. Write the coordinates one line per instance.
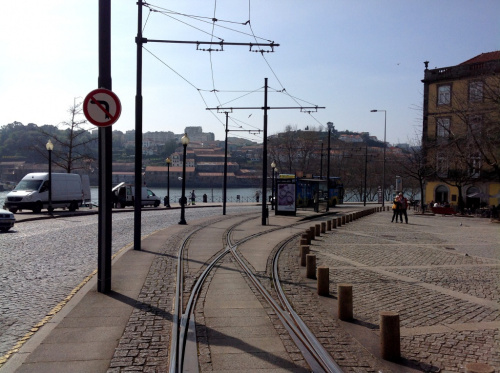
(349, 56)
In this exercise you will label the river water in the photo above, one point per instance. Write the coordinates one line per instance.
(213, 194)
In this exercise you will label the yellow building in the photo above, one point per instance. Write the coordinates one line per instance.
(461, 132)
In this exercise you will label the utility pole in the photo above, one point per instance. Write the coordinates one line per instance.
(264, 145)
(138, 134)
(140, 40)
(224, 197)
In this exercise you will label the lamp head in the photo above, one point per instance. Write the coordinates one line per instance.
(273, 164)
(168, 161)
(49, 146)
(185, 139)
(373, 111)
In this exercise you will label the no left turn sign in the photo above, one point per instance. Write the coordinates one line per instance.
(102, 107)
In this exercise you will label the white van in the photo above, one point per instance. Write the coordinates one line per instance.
(124, 195)
(32, 192)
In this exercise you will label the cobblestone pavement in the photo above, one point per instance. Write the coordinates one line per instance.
(441, 274)
(43, 261)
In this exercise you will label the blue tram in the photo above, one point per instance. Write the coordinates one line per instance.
(308, 188)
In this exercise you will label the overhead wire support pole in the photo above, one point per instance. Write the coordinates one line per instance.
(264, 150)
(138, 134)
(225, 167)
(140, 40)
(264, 160)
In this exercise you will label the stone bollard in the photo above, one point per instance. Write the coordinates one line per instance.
(345, 302)
(311, 266)
(304, 241)
(478, 368)
(318, 230)
(312, 232)
(334, 223)
(304, 250)
(328, 225)
(343, 220)
(323, 227)
(339, 221)
(305, 236)
(323, 283)
(390, 341)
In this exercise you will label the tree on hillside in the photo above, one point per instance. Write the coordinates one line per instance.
(16, 142)
(74, 146)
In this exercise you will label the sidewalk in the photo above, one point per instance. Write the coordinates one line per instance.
(440, 273)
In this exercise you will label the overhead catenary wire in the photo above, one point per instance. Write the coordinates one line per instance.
(214, 22)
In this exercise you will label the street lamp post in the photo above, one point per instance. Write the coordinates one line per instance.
(330, 128)
(273, 165)
(185, 142)
(383, 171)
(321, 163)
(49, 146)
(167, 202)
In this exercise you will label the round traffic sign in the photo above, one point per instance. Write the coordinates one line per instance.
(102, 107)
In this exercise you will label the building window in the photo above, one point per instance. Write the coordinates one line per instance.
(443, 129)
(441, 165)
(475, 125)
(476, 91)
(475, 165)
(444, 94)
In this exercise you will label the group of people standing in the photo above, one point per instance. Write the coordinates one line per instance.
(399, 207)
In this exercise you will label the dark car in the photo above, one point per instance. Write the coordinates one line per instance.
(7, 220)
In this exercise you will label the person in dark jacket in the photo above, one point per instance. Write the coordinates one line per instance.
(396, 206)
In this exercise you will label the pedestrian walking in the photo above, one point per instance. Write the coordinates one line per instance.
(396, 206)
(193, 198)
(403, 207)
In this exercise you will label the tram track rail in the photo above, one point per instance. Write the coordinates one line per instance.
(314, 353)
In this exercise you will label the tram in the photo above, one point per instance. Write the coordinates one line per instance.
(308, 188)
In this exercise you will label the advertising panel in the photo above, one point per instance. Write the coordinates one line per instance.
(285, 195)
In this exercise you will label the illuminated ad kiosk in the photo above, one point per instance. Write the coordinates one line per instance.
(285, 195)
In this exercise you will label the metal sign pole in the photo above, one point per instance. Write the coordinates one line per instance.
(105, 151)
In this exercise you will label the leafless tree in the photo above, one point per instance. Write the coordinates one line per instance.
(73, 142)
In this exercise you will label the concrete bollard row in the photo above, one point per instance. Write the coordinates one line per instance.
(312, 232)
(323, 283)
(390, 340)
(304, 250)
(311, 266)
(345, 304)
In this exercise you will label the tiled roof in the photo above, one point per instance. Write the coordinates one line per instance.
(483, 57)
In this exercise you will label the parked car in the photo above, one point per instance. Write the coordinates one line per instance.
(124, 194)
(7, 220)
(32, 192)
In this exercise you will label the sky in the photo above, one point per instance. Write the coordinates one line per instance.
(347, 56)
